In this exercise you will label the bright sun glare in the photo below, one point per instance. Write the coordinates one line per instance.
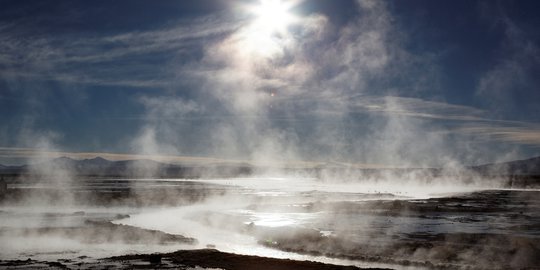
(273, 16)
(266, 33)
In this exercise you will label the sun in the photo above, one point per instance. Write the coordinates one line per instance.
(267, 33)
(273, 16)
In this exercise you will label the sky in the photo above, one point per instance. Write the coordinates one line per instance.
(401, 83)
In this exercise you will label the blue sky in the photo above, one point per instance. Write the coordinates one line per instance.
(408, 83)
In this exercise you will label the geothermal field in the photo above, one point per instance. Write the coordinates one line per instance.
(270, 134)
(323, 219)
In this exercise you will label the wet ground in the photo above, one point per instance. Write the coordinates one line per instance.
(77, 224)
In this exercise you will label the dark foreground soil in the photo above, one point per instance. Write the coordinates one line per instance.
(441, 251)
(509, 238)
(184, 259)
(99, 232)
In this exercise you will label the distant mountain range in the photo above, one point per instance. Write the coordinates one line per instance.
(125, 168)
(101, 167)
(529, 166)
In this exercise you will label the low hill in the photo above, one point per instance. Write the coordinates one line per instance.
(523, 167)
(101, 167)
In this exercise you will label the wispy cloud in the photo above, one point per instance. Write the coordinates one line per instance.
(98, 60)
(517, 134)
(467, 120)
(416, 107)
